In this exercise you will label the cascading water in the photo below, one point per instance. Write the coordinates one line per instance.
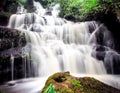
(55, 44)
(59, 45)
(12, 67)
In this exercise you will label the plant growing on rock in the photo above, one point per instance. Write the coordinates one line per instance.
(63, 82)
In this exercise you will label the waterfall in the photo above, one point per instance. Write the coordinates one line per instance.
(12, 67)
(55, 44)
(38, 8)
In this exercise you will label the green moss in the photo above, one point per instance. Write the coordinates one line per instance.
(77, 85)
(65, 90)
(78, 10)
(8, 35)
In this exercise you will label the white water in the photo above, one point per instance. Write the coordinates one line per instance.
(39, 9)
(59, 45)
(12, 67)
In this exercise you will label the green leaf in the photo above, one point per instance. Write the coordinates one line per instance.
(50, 89)
(22, 1)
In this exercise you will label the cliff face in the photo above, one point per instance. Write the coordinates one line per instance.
(112, 21)
(11, 43)
(63, 82)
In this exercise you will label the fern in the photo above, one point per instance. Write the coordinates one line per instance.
(50, 89)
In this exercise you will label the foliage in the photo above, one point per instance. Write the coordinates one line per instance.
(79, 9)
(69, 8)
(75, 83)
(23, 1)
(88, 6)
(50, 89)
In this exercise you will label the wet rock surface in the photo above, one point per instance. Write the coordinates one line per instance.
(63, 82)
(12, 43)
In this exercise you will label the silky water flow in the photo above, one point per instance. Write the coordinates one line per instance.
(55, 44)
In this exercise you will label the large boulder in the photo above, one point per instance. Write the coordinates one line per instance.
(63, 82)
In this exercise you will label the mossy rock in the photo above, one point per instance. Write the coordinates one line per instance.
(63, 82)
(11, 42)
(10, 38)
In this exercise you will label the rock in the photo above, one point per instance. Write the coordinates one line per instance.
(111, 19)
(2, 4)
(4, 18)
(11, 38)
(63, 82)
(7, 7)
(11, 43)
